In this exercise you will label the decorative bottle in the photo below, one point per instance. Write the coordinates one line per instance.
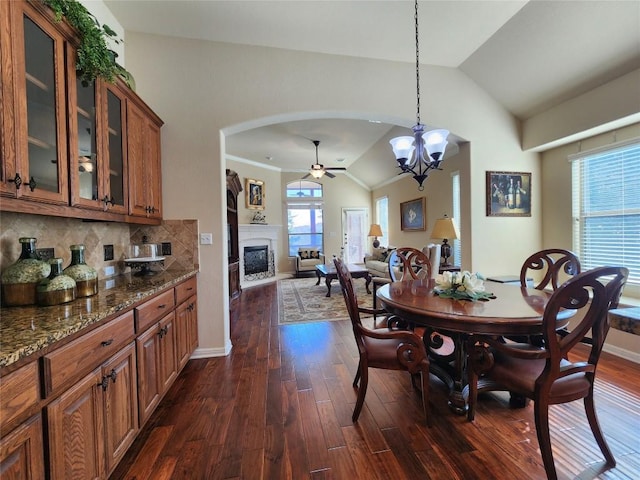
(20, 279)
(57, 288)
(511, 201)
(86, 277)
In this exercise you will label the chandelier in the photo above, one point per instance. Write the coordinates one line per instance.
(424, 151)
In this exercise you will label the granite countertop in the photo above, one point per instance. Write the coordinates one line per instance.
(24, 331)
(626, 319)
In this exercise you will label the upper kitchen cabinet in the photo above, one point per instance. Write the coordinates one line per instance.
(70, 149)
(145, 182)
(33, 103)
(97, 134)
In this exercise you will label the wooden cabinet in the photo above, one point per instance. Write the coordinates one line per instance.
(34, 160)
(22, 451)
(144, 161)
(76, 426)
(186, 321)
(120, 405)
(156, 364)
(97, 139)
(97, 390)
(234, 187)
(66, 147)
(149, 391)
(93, 423)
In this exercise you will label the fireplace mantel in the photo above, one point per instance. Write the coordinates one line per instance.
(254, 235)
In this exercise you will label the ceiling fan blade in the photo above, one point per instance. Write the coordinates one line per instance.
(306, 176)
(329, 174)
(336, 169)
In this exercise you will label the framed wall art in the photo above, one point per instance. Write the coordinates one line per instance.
(508, 194)
(254, 194)
(412, 215)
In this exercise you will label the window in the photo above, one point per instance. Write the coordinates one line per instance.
(606, 208)
(382, 219)
(455, 187)
(304, 215)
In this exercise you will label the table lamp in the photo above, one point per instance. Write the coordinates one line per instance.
(375, 231)
(445, 229)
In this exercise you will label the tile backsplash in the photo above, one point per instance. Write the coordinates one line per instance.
(60, 233)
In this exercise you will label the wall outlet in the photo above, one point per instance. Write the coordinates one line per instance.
(108, 253)
(166, 248)
(206, 239)
(109, 271)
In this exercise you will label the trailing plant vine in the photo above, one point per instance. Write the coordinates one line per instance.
(94, 58)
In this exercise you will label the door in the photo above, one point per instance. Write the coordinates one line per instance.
(354, 234)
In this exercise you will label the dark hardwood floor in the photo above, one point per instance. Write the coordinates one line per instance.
(279, 407)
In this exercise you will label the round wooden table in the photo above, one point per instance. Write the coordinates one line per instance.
(448, 323)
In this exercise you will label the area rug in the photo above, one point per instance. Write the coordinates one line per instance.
(301, 300)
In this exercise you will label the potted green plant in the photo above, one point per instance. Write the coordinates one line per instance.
(94, 57)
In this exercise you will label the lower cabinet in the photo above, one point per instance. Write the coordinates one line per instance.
(22, 451)
(186, 329)
(156, 364)
(93, 423)
(74, 412)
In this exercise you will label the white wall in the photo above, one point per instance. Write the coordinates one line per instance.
(201, 88)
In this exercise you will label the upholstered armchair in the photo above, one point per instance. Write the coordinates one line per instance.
(307, 259)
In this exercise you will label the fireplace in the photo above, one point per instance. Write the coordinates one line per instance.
(256, 259)
(258, 248)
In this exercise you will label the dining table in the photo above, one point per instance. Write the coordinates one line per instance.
(448, 322)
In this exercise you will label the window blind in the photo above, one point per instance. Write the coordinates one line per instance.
(606, 209)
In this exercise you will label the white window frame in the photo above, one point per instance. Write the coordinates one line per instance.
(613, 172)
(382, 219)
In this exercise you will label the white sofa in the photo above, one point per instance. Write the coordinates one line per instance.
(307, 259)
(378, 262)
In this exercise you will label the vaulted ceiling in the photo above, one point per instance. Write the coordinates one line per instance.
(528, 55)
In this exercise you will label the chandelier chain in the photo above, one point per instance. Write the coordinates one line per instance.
(417, 65)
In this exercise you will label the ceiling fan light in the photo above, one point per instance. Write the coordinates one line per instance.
(316, 173)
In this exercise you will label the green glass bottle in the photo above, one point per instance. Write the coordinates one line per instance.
(57, 288)
(86, 277)
(20, 279)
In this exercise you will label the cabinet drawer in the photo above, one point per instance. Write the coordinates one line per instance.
(153, 310)
(19, 392)
(86, 352)
(186, 289)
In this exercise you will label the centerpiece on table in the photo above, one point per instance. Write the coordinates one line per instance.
(462, 286)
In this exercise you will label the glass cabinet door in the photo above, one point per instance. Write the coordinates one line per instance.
(85, 162)
(115, 148)
(98, 164)
(41, 153)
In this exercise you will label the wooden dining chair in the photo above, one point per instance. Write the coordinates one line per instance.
(556, 266)
(544, 374)
(382, 348)
(407, 263)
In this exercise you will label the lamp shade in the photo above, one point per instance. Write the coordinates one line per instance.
(436, 142)
(375, 230)
(444, 228)
(403, 148)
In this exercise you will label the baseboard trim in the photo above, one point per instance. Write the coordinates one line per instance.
(212, 352)
(622, 353)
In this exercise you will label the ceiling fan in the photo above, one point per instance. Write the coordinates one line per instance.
(318, 170)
